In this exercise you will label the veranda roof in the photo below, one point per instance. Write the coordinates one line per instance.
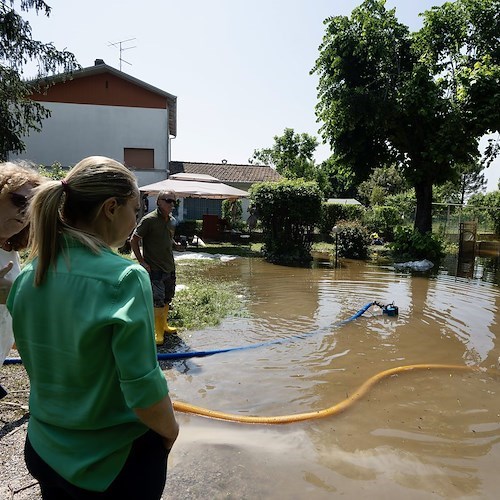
(195, 186)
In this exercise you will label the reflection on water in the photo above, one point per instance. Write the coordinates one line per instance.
(425, 434)
(481, 268)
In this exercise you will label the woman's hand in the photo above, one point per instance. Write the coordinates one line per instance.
(161, 418)
(5, 283)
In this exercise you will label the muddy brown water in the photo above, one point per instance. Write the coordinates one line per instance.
(419, 435)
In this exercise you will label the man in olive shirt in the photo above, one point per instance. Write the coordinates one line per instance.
(156, 232)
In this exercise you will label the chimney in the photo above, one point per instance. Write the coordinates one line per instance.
(98, 62)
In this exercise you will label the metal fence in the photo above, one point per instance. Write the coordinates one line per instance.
(447, 219)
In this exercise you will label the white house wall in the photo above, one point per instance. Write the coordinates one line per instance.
(75, 131)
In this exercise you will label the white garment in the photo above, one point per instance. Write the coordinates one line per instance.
(6, 335)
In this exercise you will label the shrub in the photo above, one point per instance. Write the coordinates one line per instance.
(382, 220)
(232, 210)
(55, 172)
(331, 213)
(411, 244)
(352, 239)
(188, 228)
(288, 211)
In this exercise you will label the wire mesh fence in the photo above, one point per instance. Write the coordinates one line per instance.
(446, 221)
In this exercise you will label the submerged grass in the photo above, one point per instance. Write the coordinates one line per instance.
(207, 299)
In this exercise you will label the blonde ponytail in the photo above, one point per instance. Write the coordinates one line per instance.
(59, 206)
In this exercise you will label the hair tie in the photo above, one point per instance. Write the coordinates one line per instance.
(65, 186)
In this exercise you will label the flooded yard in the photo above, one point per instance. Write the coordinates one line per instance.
(427, 433)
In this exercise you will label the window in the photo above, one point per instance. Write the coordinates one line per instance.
(139, 158)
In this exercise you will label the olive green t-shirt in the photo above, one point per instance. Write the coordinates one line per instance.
(157, 241)
(86, 338)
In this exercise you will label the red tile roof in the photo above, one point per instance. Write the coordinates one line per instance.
(227, 172)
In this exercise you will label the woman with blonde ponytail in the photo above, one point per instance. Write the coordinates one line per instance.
(101, 421)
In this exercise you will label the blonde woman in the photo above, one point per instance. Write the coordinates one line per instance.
(16, 184)
(101, 420)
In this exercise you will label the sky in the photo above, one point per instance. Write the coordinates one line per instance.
(240, 68)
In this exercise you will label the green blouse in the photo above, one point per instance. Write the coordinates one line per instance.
(86, 338)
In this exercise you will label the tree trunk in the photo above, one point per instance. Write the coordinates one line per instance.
(423, 217)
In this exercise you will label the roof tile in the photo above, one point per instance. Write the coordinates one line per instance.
(227, 172)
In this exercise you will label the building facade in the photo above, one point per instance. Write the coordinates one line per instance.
(103, 111)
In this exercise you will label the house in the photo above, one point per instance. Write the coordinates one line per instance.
(238, 176)
(100, 110)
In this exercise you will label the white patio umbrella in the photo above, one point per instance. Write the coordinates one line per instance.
(195, 186)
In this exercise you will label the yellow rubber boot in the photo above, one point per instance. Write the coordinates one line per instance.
(168, 329)
(159, 323)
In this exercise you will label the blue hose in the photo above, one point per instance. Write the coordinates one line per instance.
(201, 354)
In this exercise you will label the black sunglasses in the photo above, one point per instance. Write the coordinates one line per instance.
(169, 200)
(20, 201)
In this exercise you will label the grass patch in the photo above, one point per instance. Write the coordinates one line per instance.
(207, 300)
(323, 247)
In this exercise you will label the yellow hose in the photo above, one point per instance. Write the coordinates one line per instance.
(327, 412)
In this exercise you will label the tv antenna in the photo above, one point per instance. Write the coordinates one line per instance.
(122, 49)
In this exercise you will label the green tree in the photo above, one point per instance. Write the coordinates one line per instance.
(292, 155)
(18, 113)
(421, 100)
(55, 172)
(487, 204)
(288, 212)
(470, 181)
(460, 44)
(405, 203)
(382, 182)
(339, 179)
